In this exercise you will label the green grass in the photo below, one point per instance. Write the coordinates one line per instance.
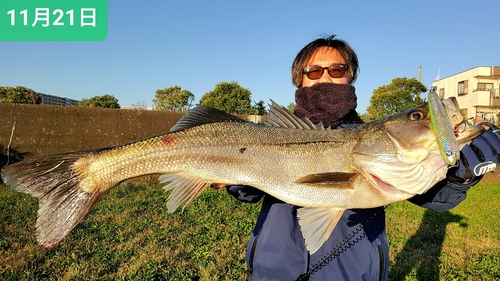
(129, 235)
(462, 244)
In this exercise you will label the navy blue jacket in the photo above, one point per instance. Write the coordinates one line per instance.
(356, 250)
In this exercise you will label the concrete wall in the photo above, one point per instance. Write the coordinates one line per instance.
(39, 130)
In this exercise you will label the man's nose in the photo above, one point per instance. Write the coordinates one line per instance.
(325, 78)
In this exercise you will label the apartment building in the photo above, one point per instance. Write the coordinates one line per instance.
(55, 100)
(477, 91)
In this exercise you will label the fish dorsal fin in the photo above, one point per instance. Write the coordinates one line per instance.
(317, 225)
(201, 115)
(281, 117)
(185, 189)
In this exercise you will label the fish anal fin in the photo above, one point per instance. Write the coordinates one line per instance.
(184, 189)
(331, 180)
(317, 225)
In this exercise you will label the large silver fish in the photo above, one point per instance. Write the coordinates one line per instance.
(323, 171)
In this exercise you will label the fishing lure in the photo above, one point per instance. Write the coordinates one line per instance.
(447, 142)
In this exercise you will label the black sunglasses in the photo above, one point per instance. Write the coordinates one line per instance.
(315, 72)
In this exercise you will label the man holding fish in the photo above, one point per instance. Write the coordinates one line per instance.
(357, 249)
(322, 216)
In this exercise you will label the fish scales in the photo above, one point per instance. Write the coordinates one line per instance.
(214, 152)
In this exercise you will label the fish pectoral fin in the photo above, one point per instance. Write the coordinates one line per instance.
(334, 179)
(317, 225)
(185, 189)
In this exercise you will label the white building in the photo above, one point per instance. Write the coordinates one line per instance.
(55, 100)
(477, 91)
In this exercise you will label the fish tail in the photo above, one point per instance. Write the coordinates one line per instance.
(63, 203)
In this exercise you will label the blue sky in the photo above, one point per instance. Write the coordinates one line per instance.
(196, 44)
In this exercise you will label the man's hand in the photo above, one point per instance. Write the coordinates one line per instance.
(245, 193)
(476, 159)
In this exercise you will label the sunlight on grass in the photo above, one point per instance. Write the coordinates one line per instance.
(462, 244)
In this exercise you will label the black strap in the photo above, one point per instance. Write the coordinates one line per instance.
(342, 247)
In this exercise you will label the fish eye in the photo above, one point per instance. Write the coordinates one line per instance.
(416, 115)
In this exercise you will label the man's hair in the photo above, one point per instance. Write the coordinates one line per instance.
(305, 54)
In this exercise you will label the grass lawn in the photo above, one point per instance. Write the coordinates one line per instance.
(462, 244)
(130, 235)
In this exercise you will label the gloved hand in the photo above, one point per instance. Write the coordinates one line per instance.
(245, 193)
(476, 159)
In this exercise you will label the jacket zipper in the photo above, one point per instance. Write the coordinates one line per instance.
(252, 251)
(382, 262)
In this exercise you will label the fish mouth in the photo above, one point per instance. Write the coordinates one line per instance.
(400, 180)
(386, 187)
(374, 173)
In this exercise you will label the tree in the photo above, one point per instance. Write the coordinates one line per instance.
(18, 94)
(33, 97)
(140, 105)
(291, 107)
(106, 101)
(173, 99)
(401, 94)
(260, 107)
(365, 117)
(229, 97)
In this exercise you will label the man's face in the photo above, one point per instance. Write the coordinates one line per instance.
(325, 57)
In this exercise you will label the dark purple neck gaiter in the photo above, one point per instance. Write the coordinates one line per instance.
(332, 104)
